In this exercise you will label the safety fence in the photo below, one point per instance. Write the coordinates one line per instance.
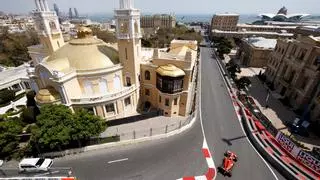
(149, 132)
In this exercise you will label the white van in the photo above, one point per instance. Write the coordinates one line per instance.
(35, 164)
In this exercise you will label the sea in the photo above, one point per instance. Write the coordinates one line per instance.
(187, 18)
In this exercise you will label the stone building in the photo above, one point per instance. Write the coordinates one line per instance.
(158, 21)
(225, 22)
(293, 68)
(255, 51)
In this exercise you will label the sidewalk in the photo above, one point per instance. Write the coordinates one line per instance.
(276, 112)
(144, 128)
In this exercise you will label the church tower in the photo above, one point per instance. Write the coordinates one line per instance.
(129, 41)
(48, 27)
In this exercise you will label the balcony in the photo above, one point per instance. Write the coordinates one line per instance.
(104, 98)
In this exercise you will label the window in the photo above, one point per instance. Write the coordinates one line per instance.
(27, 85)
(87, 87)
(169, 84)
(159, 99)
(126, 52)
(175, 102)
(103, 86)
(110, 108)
(89, 109)
(127, 101)
(147, 75)
(316, 61)
(117, 82)
(147, 92)
(304, 83)
(302, 54)
(167, 102)
(128, 80)
(293, 51)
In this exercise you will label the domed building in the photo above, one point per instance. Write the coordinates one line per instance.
(86, 72)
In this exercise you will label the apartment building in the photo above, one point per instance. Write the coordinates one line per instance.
(225, 22)
(158, 21)
(293, 68)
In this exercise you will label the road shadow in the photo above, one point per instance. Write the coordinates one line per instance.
(229, 141)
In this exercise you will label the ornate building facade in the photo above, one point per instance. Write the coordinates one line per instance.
(86, 72)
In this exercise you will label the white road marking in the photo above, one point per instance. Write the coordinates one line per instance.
(118, 160)
(245, 132)
(211, 163)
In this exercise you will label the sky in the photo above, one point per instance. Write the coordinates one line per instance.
(172, 6)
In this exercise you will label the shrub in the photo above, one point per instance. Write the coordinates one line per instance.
(6, 96)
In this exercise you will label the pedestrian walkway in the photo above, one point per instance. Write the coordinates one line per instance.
(147, 127)
(273, 109)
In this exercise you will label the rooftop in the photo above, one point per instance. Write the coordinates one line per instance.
(261, 42)
(226, 14)
(14, 73)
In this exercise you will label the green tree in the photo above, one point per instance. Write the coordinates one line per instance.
(86, 125)
(6, 96)
(54, 126)
(9, 140)
(106, 36)
(233, 68)
(13, 46)
(57, 127)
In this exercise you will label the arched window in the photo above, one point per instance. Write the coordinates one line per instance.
(88, 87)
(116, 83)
(103, 86)
(147, 75)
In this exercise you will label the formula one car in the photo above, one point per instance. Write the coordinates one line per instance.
(227, 164)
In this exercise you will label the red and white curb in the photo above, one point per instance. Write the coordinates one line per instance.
(211, 172)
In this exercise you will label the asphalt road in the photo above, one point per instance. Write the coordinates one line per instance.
(170, 158)
(180, 155)
(222, 127)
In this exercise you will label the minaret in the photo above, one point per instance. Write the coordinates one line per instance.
(47, 26)
(129, 41)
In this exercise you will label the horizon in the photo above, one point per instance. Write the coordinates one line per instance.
(200, 7)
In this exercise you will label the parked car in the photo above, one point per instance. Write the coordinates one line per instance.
(299, 127)
(35, 164)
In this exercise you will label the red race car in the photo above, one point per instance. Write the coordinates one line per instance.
(227, 164)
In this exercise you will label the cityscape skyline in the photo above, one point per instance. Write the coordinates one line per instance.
(193, 7)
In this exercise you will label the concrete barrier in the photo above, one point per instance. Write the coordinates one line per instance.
(286, 172)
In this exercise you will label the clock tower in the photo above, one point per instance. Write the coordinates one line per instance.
(129, 41)
(48, 27)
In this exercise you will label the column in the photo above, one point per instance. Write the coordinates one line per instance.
(121, 4)
(37, 4)
(41, 5)
(46, 5)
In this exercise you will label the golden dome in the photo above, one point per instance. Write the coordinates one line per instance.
(86, 53)
(46, 96)
(170, 70)
(83, 32)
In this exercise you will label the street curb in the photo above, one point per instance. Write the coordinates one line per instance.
(121, 143)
